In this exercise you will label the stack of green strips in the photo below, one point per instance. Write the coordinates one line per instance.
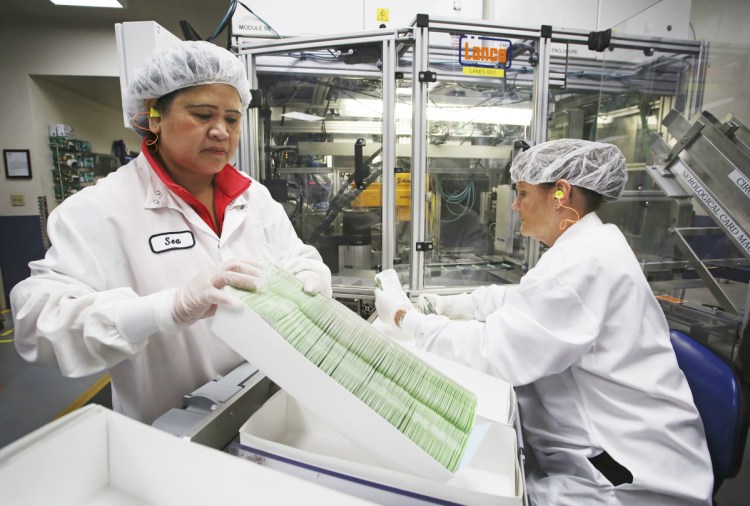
(433, 411)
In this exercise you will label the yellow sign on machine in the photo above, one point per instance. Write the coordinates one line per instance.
(372, 196)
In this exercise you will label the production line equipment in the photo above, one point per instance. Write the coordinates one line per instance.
(392, 148)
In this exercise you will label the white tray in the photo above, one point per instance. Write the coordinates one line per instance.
(284, 429)
(96, 456)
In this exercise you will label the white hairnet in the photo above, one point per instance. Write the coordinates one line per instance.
(179, 66)
(597, 166)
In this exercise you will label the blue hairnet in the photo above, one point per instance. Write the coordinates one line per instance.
(597, 166)
(181, 65)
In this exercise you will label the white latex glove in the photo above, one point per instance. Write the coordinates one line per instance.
(198, 298)
(453, 306)
(313, 283)
(387, 303)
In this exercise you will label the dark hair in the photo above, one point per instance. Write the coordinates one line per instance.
(591, 199)
(163, 104)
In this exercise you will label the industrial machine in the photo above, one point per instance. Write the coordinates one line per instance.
(391, 149)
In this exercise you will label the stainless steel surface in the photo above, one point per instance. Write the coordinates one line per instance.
(708, 165)
(704, 273)
(355, 257)
(666, 182)
(704, 162)
(388, 201)
(222, 426)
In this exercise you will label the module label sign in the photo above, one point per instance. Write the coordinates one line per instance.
(486, 56)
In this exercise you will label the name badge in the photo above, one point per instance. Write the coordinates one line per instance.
(161, 243)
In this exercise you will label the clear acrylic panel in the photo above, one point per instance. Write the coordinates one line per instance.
(473, 123)
(321, 145)
(620, 96)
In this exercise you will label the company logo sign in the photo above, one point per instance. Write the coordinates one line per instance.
(488, 56)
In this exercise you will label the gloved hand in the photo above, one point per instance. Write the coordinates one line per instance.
(198, 298)
(453, 306)
(390, 298)
(388, 303)
(313, 283)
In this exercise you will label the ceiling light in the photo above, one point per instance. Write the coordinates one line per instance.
(303, 116)
(503, 115)
(114, 4)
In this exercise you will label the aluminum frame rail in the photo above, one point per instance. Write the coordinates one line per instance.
(710, 163)
(420, 81)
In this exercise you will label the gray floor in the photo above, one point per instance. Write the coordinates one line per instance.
(31, 396)
(736, 491)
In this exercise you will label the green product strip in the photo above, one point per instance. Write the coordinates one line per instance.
(426, 406)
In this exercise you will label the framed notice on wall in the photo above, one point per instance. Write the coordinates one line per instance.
(17, 163)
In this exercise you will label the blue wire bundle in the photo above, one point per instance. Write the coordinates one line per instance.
(464, 198)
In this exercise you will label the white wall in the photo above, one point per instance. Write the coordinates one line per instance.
(335, 16)
(653, 18)
(27, 109)
(99, 125)
(572, 14)
(666, 18)
(726, 25)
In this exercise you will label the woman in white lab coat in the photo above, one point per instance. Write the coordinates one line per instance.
(137, 262)
(606, 412)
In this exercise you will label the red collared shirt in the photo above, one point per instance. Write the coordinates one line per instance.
(228, 185)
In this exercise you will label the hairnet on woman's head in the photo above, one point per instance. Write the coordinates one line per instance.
(179, 66)
(597, 166)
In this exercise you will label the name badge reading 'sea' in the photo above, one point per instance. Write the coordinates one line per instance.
(161, 243)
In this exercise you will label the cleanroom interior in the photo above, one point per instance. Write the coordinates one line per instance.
(335, 144)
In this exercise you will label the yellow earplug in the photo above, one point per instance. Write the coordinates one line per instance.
(559, 194)
(153, 113)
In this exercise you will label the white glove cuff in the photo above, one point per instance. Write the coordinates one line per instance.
(137, 319)
(313, 283)
(460, 306)
(411, 321)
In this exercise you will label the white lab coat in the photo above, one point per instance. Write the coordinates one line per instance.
(109, 246)
(585, 343)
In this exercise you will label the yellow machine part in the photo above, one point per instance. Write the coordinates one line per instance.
(372, 196)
